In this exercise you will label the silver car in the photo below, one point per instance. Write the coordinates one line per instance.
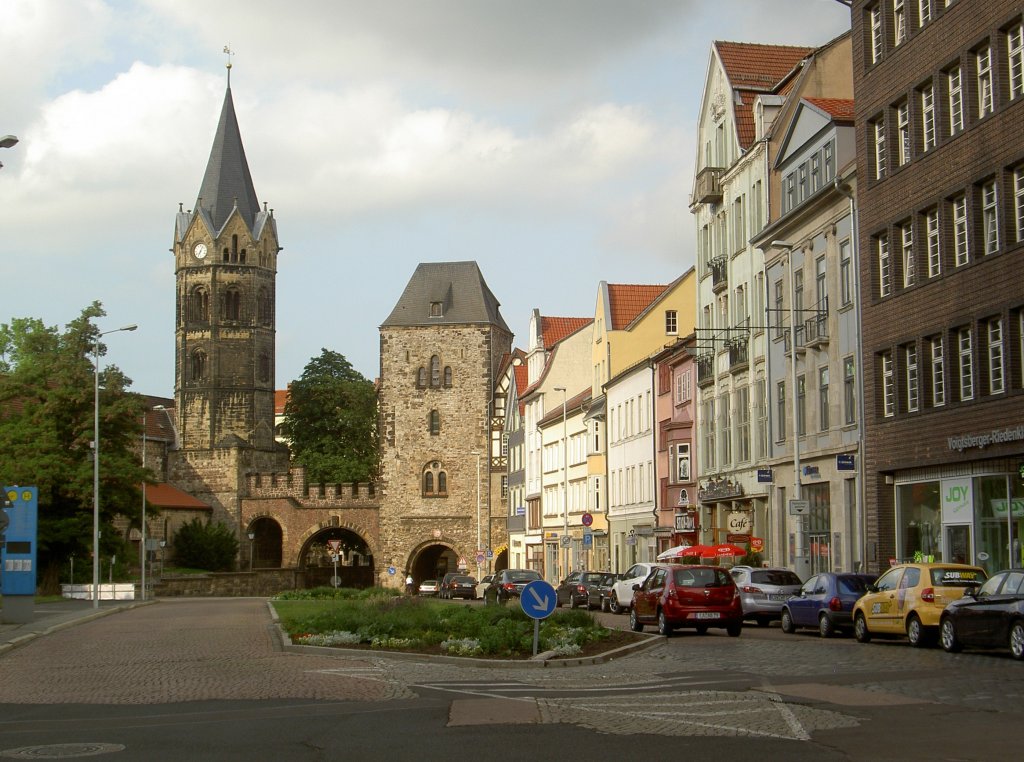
(764, 591)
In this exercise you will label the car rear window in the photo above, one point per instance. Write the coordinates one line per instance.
(470, 580)
(523, 576)
(591, 578)
(774, 577)
(701, 578)
(944, 577)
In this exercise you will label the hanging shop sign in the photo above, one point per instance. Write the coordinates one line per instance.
(740, 522)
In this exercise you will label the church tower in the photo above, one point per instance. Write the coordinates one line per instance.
(225, 255)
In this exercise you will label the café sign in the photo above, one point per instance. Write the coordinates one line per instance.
(740, 522)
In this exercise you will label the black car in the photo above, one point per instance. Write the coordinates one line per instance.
(575, 589)
(508, 584)
(825, 602)
(599, 594)
(990, 617)
(444, 587)
(461, 586)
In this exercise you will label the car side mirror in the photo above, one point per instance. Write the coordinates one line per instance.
(872, 588)
(970, 592)
(636, 587)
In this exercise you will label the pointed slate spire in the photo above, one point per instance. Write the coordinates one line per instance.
(227, 181)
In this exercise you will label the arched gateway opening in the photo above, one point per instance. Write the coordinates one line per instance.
(264, 549)
(355, 564)
(432, 562)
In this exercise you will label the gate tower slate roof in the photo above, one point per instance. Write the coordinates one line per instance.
(460, 289)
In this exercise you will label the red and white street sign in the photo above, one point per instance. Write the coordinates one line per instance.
(334, 545)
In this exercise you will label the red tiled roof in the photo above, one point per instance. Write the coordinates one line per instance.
(165, 496)
(554, 329)
(837, 108)
(280, 400)
(160, 424)
(626, 302)
(745, 130)
(753, 66)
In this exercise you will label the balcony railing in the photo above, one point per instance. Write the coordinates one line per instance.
(709, 187)
(739, 354)
(800, 338)
(816, 329)
(705, 369)
(719, 274)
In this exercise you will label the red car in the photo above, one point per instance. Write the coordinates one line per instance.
(699, 597)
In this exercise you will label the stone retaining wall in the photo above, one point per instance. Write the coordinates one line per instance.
(260, 583)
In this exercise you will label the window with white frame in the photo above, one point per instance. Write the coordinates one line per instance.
(931, 231)
(682, 462)
(780, 411)
(708, 424)
(875, 24)
(984, 63)
(823, 416)
(913, 383)
(954, 89)
(777, 317)
(903, 133)
(966, 360)
(878, 131)
(845, 272)
(683, 386)
(961, 242)
(801, 404)
(821, 281)
(761, 392)
(743, 424)
(884, 266)
(725, 429)
(899, 18)
(989, 218)
(938, 373)
(815, 172)
(1015, 59)
(924, 11)
(828, 154)
(888, 386)
(928, 137)
(671, 322)
(996, 376)
(739, 226)
(849, 391)
(907, 254)
(1018, 202)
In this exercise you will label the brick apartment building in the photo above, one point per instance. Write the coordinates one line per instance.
(939, 88)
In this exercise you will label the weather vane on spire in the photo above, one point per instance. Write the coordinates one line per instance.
(230, 52)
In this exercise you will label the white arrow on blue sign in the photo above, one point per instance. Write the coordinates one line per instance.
(538, 599)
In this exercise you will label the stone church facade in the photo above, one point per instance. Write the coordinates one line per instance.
(439, 505)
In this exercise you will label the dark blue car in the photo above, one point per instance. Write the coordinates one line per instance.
(825, 602)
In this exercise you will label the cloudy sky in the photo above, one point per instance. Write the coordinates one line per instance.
(552, 141)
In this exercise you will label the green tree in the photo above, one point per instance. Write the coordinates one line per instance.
(203, 545)
(330, 420)
(46, 433)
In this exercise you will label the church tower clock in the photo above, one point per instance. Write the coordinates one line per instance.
(225, 256)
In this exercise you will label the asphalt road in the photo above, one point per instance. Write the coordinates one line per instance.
(208, 680)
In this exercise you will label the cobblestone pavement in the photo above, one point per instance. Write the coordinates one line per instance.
(762, 684)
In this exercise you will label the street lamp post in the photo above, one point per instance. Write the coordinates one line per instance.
(252, 538)
(8, 141)
(565, 484)
(96, 466)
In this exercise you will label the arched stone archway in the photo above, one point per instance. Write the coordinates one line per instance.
(355, 562)
(432, 560)
(265, 549)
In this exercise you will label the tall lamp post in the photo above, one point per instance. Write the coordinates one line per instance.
(8, 141)
(252, 538)
(565, 485)
(788, 248)
(478, 533)
(96, 465)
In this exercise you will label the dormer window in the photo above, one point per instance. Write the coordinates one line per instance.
(436, 310)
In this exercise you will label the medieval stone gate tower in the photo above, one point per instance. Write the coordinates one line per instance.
(225, 254)
(441, 349)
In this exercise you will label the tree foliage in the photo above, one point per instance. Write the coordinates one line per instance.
(46, 433)
(204, 545)
(331, 421)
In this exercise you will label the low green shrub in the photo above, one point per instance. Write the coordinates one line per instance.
(399, 622)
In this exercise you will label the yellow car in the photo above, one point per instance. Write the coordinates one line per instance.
(910, 598)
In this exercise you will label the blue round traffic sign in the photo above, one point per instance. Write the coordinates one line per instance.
(588, 519)
(538, 599)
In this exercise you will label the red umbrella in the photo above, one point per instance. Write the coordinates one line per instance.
(726, 550)
(681, 551)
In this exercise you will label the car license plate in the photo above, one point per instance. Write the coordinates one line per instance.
(706, 615)
(778, 597)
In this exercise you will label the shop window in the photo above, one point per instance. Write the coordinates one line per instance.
(919, 521)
